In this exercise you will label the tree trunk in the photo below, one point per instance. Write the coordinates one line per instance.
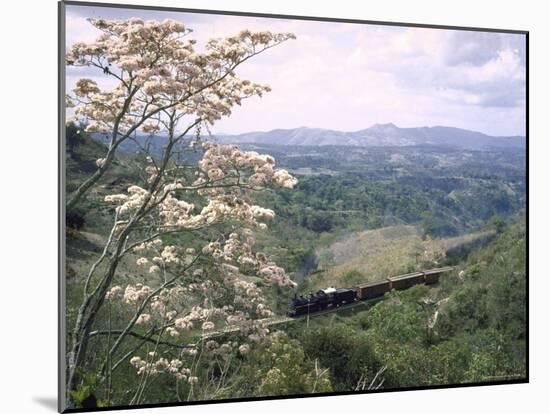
(87, 315)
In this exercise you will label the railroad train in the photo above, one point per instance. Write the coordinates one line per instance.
(335, 297)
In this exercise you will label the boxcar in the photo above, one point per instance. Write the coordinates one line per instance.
(406, 281)
(432, 276)
(373, 289)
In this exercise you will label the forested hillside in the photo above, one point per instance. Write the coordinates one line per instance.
(382, 212)
(469, 328)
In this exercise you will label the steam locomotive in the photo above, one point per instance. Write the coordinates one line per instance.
(323, 299)
(333, 297)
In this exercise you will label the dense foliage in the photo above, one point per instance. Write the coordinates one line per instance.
(470, 328)
(447, 191)
(478, 333)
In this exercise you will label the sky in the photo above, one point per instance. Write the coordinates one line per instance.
(347, 77)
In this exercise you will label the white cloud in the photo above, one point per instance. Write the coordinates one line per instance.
(78, 29)
(349, 76)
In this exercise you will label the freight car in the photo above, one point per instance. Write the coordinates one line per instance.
(373, 289)
(432, 276)
(379, 288)
(403, 282)
(333, 298)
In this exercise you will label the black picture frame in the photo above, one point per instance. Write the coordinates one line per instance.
(62, 332)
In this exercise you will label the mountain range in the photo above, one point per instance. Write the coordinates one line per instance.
(380, 135)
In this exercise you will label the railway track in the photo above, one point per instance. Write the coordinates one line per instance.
(280, 320)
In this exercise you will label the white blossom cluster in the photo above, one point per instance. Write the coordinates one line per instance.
(171, 305)
(143, 319)
(169, 308)
(237, 249)
(136, 199)
(174, 367)
(275, 274)
(200, 301)
(157, 65)
(219, 160)
(135, 294)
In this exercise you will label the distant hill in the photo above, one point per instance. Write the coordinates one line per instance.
(379, 135)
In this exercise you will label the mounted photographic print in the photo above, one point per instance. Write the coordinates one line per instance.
(259, 206)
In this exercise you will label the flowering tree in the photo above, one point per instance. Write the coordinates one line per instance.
(164, 85)
(159, 74)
